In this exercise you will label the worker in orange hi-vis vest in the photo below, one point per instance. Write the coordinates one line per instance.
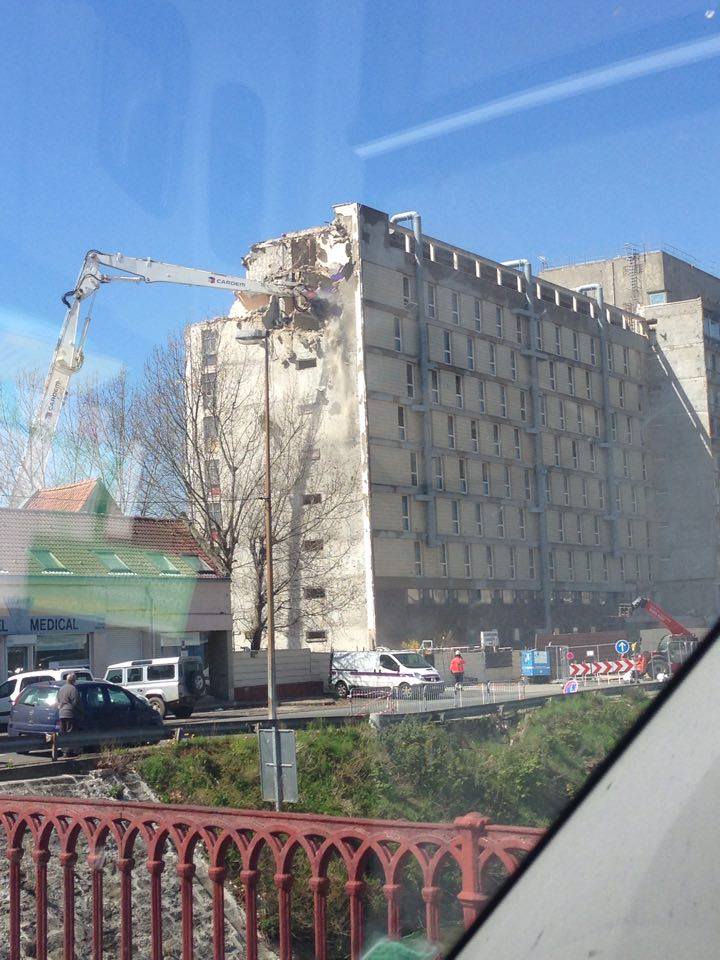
(457, 669)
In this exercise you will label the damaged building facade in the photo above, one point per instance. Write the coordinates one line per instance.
(474, 442)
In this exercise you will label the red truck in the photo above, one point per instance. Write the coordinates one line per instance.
(674, 648)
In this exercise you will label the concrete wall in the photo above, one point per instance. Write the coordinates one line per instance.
(299, 673)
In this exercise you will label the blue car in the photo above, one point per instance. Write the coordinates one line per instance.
(103, 706)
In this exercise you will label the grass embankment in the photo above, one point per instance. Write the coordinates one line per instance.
(520, 772)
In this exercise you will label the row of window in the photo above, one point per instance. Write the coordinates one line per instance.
(473, 562)
(491, 318)
(49, 562)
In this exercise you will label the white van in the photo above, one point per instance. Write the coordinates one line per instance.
(403, 671)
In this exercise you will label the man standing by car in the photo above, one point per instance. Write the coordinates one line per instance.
(68, 700)
(457, 669)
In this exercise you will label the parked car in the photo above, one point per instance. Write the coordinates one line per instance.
(11, 689)
(103, 706)
(169, 684)
(402, 671)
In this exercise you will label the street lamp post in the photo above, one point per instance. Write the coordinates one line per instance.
(263, 336)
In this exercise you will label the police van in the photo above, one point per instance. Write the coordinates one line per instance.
(405, 673)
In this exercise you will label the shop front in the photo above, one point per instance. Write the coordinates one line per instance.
(30, 640)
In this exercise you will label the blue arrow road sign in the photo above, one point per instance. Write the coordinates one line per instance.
(622, 647)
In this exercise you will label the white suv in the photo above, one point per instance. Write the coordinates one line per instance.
(15, 684)
(169, 684)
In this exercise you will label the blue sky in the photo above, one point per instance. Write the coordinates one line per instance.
(187, 131)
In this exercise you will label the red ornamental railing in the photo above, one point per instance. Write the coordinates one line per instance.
(50, 842)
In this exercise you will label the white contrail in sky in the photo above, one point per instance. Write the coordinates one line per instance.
(572, 86)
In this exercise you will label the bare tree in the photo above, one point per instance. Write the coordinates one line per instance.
(97, 435)
(204, 428)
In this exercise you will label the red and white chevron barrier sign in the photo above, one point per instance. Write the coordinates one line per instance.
(601, 668)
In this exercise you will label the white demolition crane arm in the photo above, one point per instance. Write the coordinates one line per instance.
(68, 356)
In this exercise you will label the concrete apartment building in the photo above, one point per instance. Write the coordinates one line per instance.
(493, 423)
(682, 424)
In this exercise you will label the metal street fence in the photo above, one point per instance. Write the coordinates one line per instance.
(422, 698)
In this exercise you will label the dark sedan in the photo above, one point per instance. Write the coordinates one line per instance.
(103, 707)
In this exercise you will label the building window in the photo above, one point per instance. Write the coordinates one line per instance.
(451, 431)
(405, 504)
(307, 363)
(312, 546)
(447, 346)
(593, 458)
(648, 538)
(410, 380)
(507, 482)
(528, 484)
(489, 563)
(522, 529)
(556, 450)
(516, 441)
(314, 593)
(474, 440)
(462, 467)
(210, 429)
(596, 427)
(455, 306)
(430, 287)
(523, 406)
(503, 401)
(478, 315)
(644, 467)
(579, 529)
(622, 569)
(551, 565)
(561, 410)
(580, 423)
(610, 358)
(443, 560)
(618, 499)
(47, 561)
(637, 567)
(212, 473)
(209, 347)
(601, 494)
(571, 565)
(492, 358)
(575, 345)
(566, 490)
(418, 559)
(468, 561)
(439, 473)
(413, 469)
(588, 567)
(629, 533)
(501, 522)
(479, 519)
(513, 365)
(497, 445)
(531, 563)
(548, 487)
(561, 527)
(626, 465)
(593, 351)
(470, 353)
(584, 492)
(658, 296)
(558, 341)
(459, 401)
(628, 430)
(481, 396)
(551, 375)
(543, 410)
(633, 499)
(311, 498)
(498, 321)
(574, 453)
(605, 569)
(398, 333)
(512, 569)
(571, 380)
(406, 291)
(435, 386)
(519, 330)
(596, 531)
(401, 423)
(588, 385)
(626, 361)
(485, 471)
(539, 336)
